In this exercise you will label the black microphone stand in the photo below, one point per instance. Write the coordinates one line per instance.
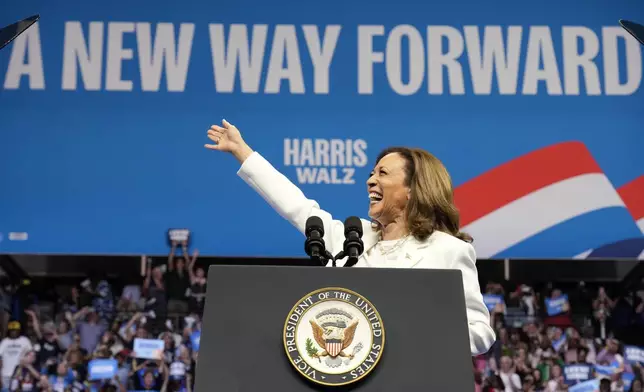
(322, 256)
(326, 257)
(351, 261)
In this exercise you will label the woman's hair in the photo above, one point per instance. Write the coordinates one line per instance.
(431, 204)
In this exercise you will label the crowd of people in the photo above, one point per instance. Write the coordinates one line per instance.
(541, 347)
(146, 338)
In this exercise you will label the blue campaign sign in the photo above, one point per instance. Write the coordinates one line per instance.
(195, 340)
(634, 354)
(577, 373)
(148, 348)
(102, 369)
(535, 109)
(491, 300)
(556, 306)
(586, 386)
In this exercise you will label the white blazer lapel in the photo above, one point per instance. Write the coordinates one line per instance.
(412, 254)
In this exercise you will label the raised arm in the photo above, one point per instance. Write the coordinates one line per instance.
(191, 266)
(284, 196)
(166, 376)
(287, 199)
(126, 335)
(35, 322)
(173, 250)
(148, 274)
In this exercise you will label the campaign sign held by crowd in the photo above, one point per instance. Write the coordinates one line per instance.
(102, 369)
(555, 306)
(195, 340)
(535, 109)
(575, 374)
(586, 386)
(491, 300)
(634, 355)
(149, 348)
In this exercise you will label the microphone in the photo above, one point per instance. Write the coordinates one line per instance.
(314, 245)
(353, 245)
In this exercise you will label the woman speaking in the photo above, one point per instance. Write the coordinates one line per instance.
(414, 223)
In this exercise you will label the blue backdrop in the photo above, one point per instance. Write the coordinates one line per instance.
(104, 109)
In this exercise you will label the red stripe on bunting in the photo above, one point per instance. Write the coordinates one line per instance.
(521, 176)
(633, 196)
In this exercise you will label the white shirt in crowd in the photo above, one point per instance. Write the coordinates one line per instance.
(528, 301)
(552, 386)
(511, 381)
(11, 352)
(178, 369)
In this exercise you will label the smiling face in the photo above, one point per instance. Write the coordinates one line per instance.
(388, 189)
(412, 189)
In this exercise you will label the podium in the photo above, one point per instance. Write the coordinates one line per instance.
(288, 329)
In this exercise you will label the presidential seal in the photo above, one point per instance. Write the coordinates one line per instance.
(334, 336)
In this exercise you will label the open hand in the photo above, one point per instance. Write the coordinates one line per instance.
(227, 138)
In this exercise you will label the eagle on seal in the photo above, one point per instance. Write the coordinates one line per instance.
(334, 330)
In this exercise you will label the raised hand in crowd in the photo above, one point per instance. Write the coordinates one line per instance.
(184, 248)
(34, 322)
(127, 332)
(195, 254)
(173, 249)
(191, 266)
(81, 313)
(147, 265)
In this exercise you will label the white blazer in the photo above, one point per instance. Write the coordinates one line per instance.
(439, 251)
